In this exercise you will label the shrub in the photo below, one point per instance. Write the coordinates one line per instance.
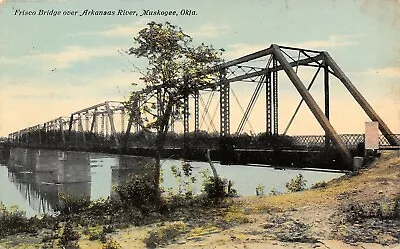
(139, 192)
(274, 192)
(260, 189)
(68, 236)
(185, 179)
(385, 210)
(163, 235)
(296, 184)
(97, 233)
(13, 221)
(103, 206)
(217, 189)
(72, 205)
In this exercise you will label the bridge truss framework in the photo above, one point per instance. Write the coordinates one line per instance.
(248, 69)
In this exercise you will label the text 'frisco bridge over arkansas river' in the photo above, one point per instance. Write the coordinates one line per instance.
(102, 126)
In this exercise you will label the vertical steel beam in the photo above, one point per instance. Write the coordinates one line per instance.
(127, 132)
(80, 123)
(226, 148)
(196, 112)
(45, 133)
(106, 122)
(87, 121)
(360, 100)
(312, 104)
(327, 106)
(122, 121)
(160, 104)
(102, 125)
(185, 122)
(71, 120)
(275, 95)
(80, 127)
(268, 98)
(224, 106)
(112, 125)
(61, 123)
(134, 118)
(137, 113)
(172, 121)
(93, 127)
(186, 114)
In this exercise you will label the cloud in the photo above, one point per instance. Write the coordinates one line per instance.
(8, 60)
(71, 54)
(64, 58)
(209, 30)
(333, 41)
(119, 30)
(240, 49)
(113, 85)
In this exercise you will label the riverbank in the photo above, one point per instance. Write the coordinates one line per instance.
(359, 211)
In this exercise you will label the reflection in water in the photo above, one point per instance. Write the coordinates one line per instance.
(26, 186)
(43, 175)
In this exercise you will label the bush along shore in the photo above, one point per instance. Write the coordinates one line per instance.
(354, 211)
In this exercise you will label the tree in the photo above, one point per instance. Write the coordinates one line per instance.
(175, 70)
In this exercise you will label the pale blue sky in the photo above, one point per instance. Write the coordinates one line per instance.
(51, 66)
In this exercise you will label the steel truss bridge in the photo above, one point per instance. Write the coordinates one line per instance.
(261, 69)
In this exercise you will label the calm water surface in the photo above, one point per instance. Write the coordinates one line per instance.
(34, 179)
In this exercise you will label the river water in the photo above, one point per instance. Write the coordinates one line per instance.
(33, 179)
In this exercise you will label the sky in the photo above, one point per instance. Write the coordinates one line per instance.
(54, 64)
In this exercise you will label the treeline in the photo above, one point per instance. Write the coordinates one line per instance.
(144, 139)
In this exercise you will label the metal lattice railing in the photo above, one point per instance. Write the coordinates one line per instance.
(383, 142)
(351, 140)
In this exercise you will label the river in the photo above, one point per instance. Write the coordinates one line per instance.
(33, 179)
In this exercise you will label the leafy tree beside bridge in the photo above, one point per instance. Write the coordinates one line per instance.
(175, 69)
